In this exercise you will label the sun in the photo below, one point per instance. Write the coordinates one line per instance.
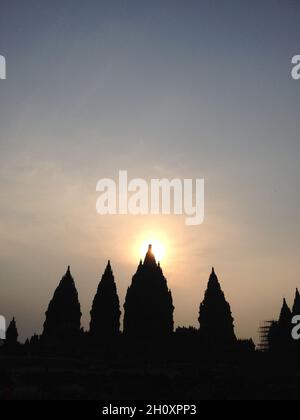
(160, 241)
(158, 249)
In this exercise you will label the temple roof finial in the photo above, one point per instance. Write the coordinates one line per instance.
(150, 258)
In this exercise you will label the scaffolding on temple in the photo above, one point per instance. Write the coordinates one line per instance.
(263, 331)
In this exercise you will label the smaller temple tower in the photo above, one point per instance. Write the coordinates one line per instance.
(105, 313)
(12, 334)
(215, 318)
(62, 324)
(296, 306)
(280, 338)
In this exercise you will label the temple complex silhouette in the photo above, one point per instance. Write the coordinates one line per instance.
(148, 318)
(148, 314)
(141, 354)
(276, 336)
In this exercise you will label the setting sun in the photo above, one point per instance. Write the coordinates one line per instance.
(158, 249)
(158, 237)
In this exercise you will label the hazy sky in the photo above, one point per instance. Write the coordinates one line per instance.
(186, 89)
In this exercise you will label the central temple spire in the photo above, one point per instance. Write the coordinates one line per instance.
(148, 303)
(150, 258)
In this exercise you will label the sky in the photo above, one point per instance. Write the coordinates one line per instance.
(162, 89)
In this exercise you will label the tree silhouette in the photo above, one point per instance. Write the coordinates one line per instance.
(105, 313)
(148, 304)
(62, 324)
(215, 318)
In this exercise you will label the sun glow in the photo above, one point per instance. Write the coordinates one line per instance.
(158, 249)
(158, 238)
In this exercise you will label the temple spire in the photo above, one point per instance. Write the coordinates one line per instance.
(63, 314)
(108, 268)
(215, 318)
(285, 314)
(150, 258)
(280, 339)
(296, 306)
(105, 313)
(12, 333)
(148, 303)
(213, 282)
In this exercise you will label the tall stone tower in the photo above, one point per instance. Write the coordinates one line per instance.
(62, 324)
(296, 306)
(215, 318)
(105, 313)
(12, 333)
(148, 304)
(280, 337)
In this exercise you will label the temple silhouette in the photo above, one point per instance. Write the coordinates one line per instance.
(276, 336)
(215, 318)
(105, 313)
(62, 324)
(145, 357)
(148, 316)
(148, 308)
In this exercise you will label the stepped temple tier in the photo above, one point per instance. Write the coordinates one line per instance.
(215, 318)
(105, 313)
(62, 324)
(148, 320)
(148, 304)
